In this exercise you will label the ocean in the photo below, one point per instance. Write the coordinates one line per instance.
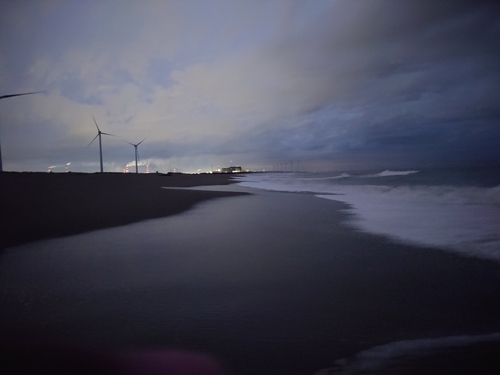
(453, 209)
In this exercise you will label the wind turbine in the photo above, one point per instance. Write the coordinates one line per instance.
(10, 96)
(99, 133)
(136, 153)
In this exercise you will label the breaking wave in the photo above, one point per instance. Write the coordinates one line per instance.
(340, 176)
(400, 354)
(463, 219)
(388, 173)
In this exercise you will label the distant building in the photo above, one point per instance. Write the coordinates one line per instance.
(236, 169)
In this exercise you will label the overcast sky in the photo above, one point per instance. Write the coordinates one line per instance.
(321, 84)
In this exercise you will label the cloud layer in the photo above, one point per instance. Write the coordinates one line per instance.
(330, 83)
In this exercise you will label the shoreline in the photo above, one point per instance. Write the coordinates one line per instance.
(271, 283)
(37, 205)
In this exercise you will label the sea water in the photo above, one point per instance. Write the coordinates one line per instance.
(453, 209)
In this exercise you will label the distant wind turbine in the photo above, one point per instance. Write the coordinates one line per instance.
(136, 153)
(99, 133)
(10, 96)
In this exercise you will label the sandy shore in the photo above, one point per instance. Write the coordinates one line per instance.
(269, 283)
(36, 206)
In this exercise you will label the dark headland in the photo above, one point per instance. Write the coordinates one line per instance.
(35, 206)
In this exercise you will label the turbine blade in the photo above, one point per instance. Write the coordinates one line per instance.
(141, 141)
(93, 140)
(109, 134)
(95, 122)
(24, 93)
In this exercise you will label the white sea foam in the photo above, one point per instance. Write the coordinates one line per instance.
(376, 358)
(388, 173)
(340, 176)
(461, 219)
(286, 182)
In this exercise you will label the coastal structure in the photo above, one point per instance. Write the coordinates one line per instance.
(235, 169)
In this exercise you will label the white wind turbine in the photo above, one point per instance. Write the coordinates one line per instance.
(99, 133)
(136, 153)
(10, 96)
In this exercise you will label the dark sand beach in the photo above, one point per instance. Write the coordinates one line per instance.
(37, 206)
(269, 283)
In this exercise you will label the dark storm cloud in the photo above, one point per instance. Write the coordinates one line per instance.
(258, 81)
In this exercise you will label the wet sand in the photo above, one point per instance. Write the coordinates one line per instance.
(269, 283)
(36, 206)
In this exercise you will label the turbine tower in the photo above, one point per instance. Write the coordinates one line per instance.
(136, 153)
(10, 96)
(99, 133)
